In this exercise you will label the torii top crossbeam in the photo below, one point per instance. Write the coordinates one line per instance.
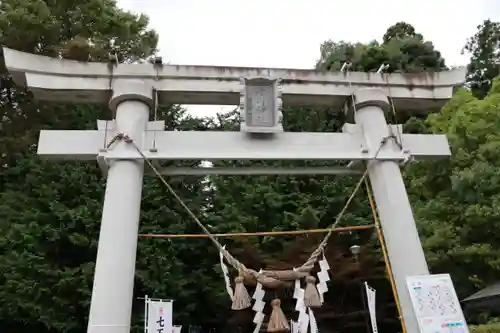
(56, 80)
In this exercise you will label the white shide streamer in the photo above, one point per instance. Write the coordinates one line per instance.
(303, 320)
(225, 272)
(258, 307)
(295, 327)
(312, 322)
(323, 278)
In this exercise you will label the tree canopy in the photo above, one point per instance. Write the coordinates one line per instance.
(50, 211)
(457, 201)
(484, 65)
(401, 48)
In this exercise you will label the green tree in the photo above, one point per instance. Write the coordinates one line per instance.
(55, 28)
(457, 201)
(402, 49)
(64, 28)
(484, 48)
(50, 211)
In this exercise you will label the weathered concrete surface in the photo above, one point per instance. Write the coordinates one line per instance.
(65, 80)
(193, 145)
(404, 249)
(113, 289)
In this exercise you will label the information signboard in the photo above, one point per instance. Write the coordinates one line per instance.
(436, 304)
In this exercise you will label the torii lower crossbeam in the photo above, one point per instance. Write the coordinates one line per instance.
(189, 145)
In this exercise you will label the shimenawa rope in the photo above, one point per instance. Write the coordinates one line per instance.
(267, 278)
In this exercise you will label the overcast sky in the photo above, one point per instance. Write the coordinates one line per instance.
(288, 33)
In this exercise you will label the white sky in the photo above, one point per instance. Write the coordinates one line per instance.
(288, 33)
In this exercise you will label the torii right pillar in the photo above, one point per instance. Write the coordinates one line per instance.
(404, 249)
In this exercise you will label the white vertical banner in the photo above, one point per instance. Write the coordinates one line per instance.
(370, 297)
(160, 317)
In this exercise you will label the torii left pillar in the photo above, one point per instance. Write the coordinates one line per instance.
(112, 294)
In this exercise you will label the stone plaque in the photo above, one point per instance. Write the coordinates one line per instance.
(260, 104)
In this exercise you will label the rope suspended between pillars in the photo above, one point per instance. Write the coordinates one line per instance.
(262, 233)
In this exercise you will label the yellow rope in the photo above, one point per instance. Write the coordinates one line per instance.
(381, 240)
(260, 233)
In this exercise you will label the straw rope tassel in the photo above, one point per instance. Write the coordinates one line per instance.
(311, 295)
(241, 299)
(277, 320)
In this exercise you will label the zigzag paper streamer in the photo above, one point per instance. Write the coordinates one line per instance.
(258, 307)
(225, 272)
(312, 322)
(323, 278)
(303, 320)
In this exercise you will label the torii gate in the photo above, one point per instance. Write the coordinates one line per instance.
(133, 90)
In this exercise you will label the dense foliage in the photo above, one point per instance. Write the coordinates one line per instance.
(457, 201)
(484, 65)
(49, 222)
(402, 49)
(490, 328)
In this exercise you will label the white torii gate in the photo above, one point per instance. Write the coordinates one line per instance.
(133, 90)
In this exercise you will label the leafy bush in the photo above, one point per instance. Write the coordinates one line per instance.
(490, 328)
